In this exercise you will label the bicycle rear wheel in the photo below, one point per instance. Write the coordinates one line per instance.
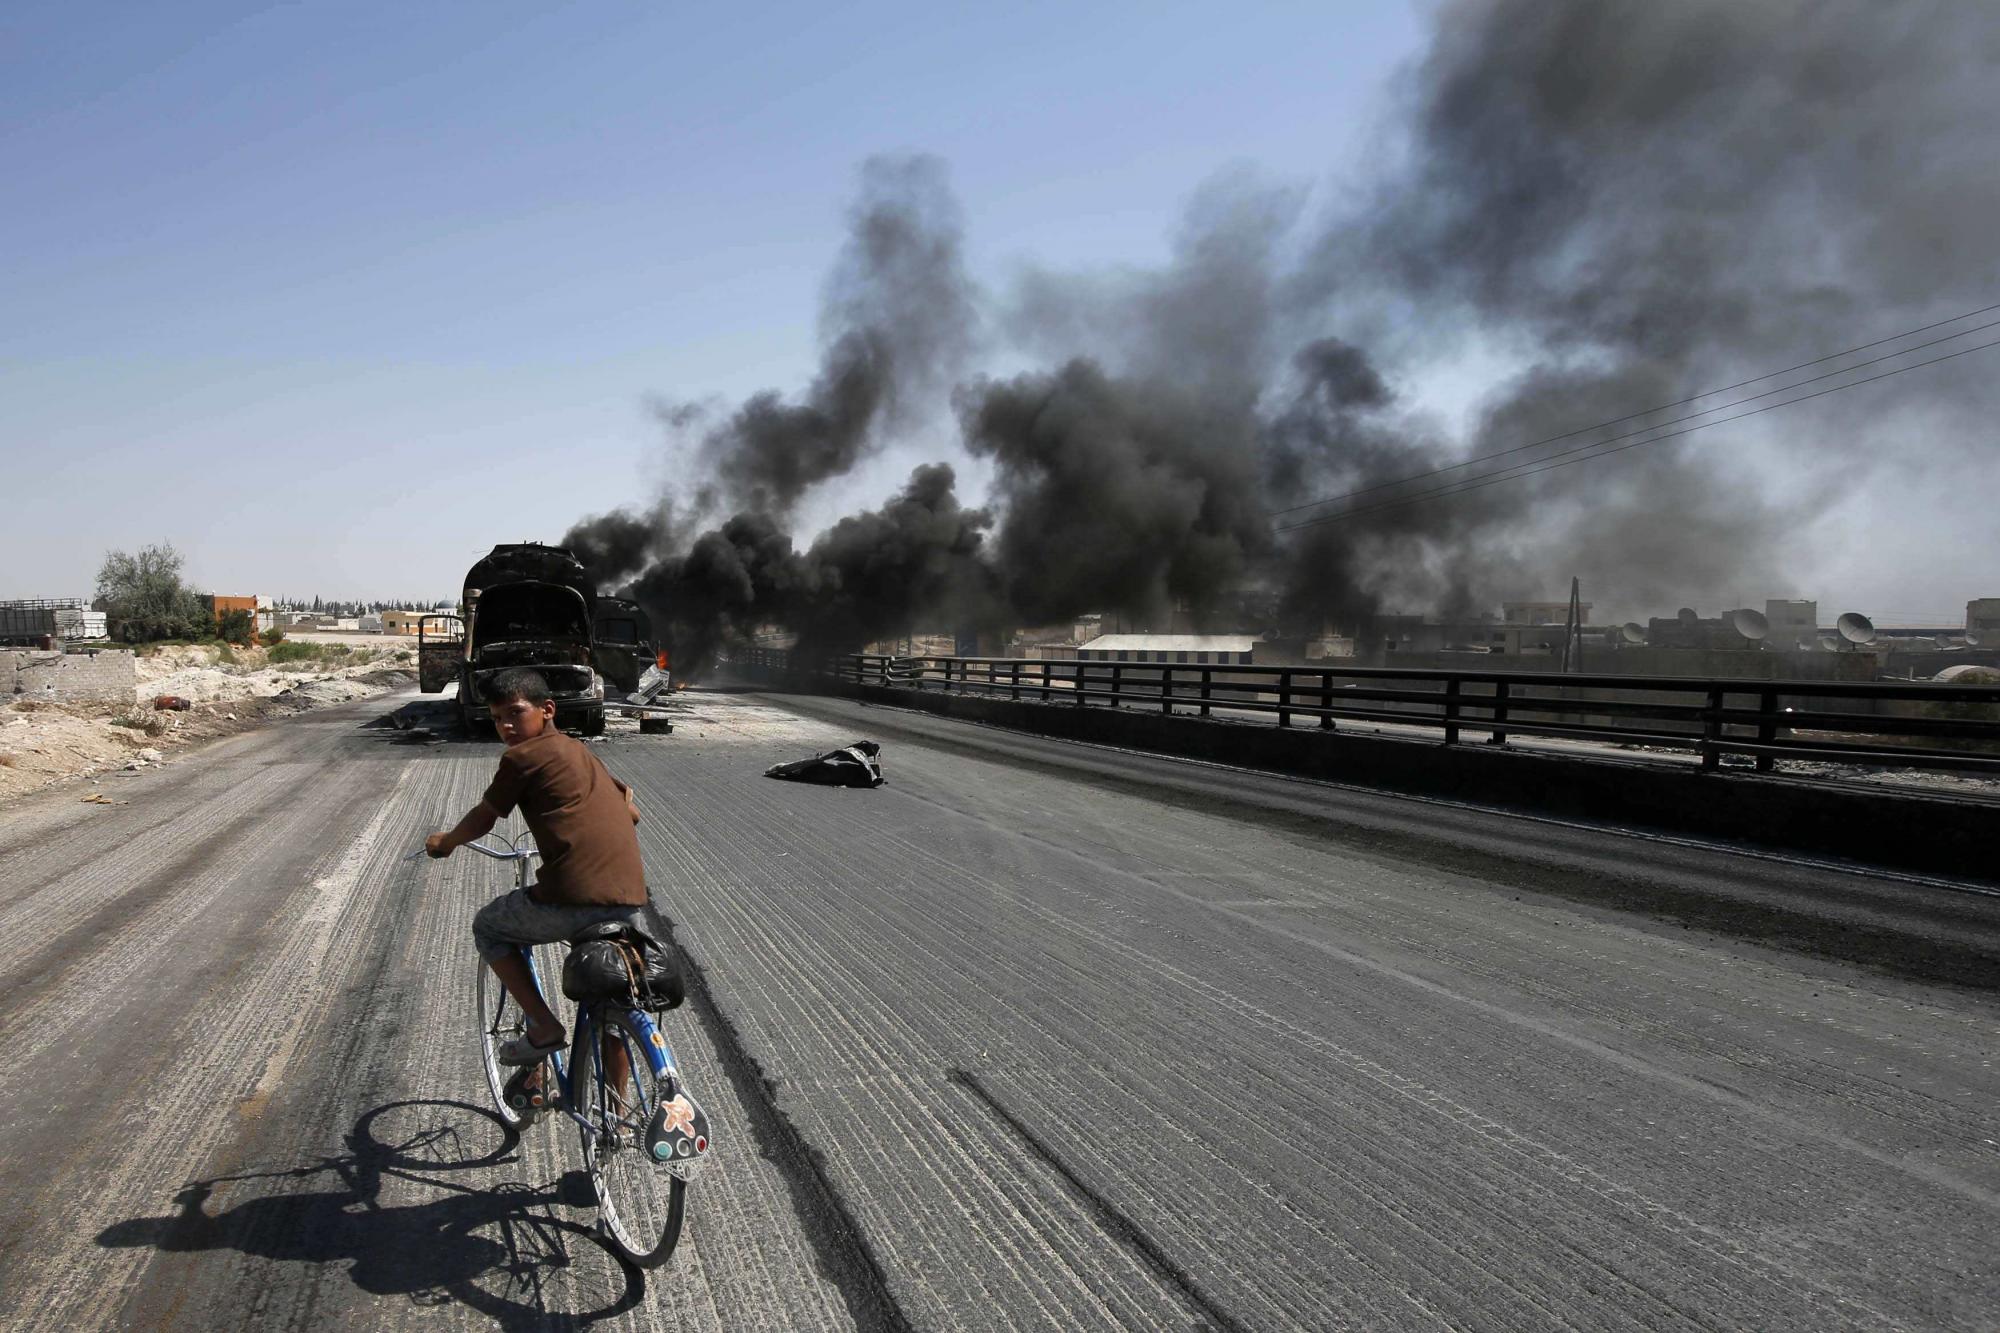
(640, 1202)
(500, 1018)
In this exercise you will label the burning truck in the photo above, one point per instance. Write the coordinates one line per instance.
(529, 605)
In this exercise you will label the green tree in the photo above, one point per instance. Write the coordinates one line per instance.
(144, 596)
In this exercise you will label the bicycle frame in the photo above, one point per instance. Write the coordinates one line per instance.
(659, 1055)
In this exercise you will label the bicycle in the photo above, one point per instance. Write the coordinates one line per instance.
(633, 1136)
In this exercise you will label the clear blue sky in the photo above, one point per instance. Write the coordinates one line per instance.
(333, 297)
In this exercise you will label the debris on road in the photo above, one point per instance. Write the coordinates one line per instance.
(172, 702)
(855, 765)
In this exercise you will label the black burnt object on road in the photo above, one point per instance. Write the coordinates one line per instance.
(856, 765)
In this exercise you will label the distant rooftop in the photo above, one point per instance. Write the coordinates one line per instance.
(1171, 643)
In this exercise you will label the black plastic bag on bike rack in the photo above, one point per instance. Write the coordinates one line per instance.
(855, 765)
(619, 962)
(661, 985)
(597, 970)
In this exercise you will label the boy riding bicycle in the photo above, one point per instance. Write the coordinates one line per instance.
(582, 819)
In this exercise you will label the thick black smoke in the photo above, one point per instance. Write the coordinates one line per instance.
(1128, 495)
(863, 579)
(1653, 199)
(898, 322)
(617, 545)
(1618, 205)
(919, 554)
(729, 581)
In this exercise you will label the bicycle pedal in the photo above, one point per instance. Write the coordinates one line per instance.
(527, 1093)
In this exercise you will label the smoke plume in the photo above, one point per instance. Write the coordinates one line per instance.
(1653, 199)
(898, 321)
(897, 318)
(1617, 205)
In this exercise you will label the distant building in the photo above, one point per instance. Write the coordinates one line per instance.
(1982, 617)
(1539, 613)
(1793, 623)
(1693, 631)
(220, 606)
(1170, 649)
(403, 621)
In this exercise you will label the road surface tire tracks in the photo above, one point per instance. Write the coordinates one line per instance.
(838, 1238)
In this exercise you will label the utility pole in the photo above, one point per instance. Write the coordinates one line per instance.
(1573, 634)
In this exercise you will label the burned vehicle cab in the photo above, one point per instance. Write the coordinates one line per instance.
(530, 606)
(622, 638)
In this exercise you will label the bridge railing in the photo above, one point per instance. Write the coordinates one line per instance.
(1914, 725)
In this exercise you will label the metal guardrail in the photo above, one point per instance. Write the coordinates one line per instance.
(1913, 725)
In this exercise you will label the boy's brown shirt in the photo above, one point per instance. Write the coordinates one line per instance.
(578, 814)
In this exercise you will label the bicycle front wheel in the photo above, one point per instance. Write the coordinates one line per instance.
(500, 1018)
(615, 1093)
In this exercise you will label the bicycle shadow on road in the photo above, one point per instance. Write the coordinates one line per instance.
(503, 1250)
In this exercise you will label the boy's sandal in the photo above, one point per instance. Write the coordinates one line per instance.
(518, 1050)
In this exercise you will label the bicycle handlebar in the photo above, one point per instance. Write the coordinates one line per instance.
(497, 853)
(507, 854)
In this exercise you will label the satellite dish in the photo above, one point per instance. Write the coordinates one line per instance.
(1973, 639)
(1855, 627)
(1750, 624)
(1632, 632)
(1828, 642)
(1687, 615)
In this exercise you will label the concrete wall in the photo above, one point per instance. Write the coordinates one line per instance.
(104, 676)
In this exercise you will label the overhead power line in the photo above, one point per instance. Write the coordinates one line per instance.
(1595, 450)
(1681, 402)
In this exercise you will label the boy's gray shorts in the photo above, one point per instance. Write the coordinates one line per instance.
(514, 918)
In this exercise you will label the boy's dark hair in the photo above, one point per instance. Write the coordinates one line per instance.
(521, 684)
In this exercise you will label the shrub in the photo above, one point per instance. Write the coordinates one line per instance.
(236, 627)
(273, 637)
(281, 653)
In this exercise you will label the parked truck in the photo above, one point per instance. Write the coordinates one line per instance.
(529, 605)
(39, 622)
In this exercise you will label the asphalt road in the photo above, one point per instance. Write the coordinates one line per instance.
(1038, 1035)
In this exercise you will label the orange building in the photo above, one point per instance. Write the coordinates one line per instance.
(220, 606)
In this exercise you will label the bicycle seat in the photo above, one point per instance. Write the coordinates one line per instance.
(603, 930)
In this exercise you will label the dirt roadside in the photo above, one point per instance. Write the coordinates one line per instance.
(45, 745)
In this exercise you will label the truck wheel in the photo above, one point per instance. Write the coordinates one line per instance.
(593, 722)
